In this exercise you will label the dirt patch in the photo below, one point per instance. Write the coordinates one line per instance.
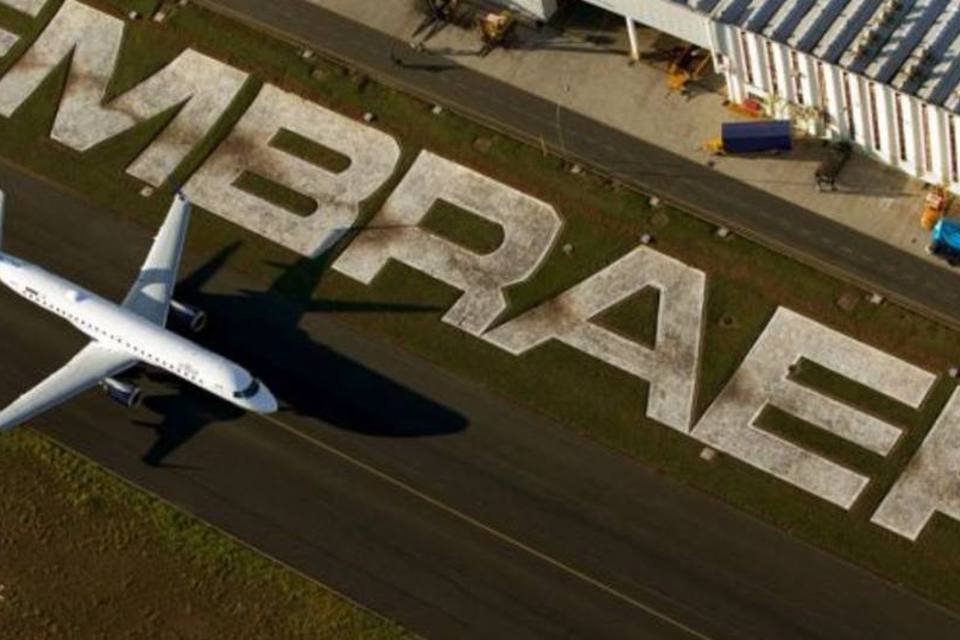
(659, 219)
(728, 321)
(847, 301)
(483, 144)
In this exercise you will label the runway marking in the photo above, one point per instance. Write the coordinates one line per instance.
(503, 537)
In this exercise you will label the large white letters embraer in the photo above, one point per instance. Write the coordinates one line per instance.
(127, 334)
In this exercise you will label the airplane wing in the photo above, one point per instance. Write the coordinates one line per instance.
(151, 293)
(91, 365)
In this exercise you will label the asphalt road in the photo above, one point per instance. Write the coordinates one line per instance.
(778, 223)
(415, 493)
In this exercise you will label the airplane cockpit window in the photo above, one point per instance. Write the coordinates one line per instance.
(250, 391)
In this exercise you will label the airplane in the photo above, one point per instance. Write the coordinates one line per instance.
(126, 335)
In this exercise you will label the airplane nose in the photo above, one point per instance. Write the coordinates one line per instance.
(266, 402)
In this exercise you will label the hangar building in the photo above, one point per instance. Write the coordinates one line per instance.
(884, 74)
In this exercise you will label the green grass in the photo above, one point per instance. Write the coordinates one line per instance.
(145, 51)
(283, 197)
(602, 221)
(296, 145)
(634, 317)
(124, 516)
(463, 227)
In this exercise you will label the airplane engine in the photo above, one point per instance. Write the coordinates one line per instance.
(122, 393)
(190, 317)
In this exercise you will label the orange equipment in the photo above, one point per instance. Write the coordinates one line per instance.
(714, 146)
(934, 206)
(495, 28)
(687, 66)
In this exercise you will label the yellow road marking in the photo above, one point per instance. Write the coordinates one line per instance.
(503, 537)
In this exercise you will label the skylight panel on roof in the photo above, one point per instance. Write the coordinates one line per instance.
(847, 27)
(933, 52)
(914, 25)
(786, 21)
(816, 23)
(945, 79)
(760, 13)
(704, 6)
(730, 11)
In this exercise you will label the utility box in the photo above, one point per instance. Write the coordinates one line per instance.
(755, 137)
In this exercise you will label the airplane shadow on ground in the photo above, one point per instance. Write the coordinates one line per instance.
(261, 331)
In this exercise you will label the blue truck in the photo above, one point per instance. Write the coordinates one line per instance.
(945, 240)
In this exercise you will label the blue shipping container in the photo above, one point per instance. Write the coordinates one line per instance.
(753, 137)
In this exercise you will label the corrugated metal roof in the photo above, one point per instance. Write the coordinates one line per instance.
(913, 45)
(788, 16)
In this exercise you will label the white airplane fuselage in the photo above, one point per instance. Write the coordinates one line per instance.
(117, 328)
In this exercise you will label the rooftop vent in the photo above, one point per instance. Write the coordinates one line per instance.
(867, 40)
(890, 10)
